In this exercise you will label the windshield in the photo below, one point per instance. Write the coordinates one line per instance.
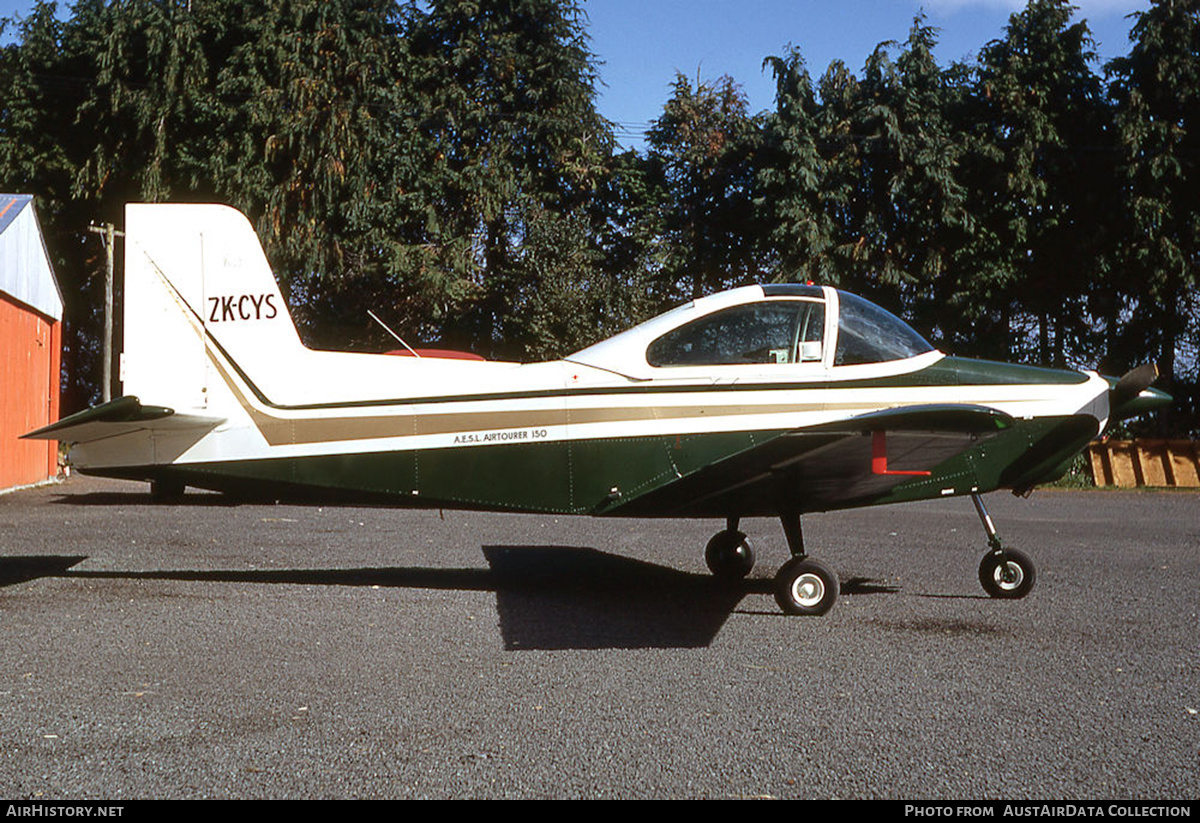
(869, 334)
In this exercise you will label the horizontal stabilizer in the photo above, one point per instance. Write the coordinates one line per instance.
(120, 416)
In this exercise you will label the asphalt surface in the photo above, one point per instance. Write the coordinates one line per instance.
(256, 651)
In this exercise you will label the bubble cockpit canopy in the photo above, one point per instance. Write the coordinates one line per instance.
(771, 325)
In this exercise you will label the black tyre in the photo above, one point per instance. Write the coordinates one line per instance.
(166, 490)
(729, 555)
(1007, 574)
(806, 586)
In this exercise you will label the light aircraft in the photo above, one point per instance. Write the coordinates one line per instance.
(775, 400)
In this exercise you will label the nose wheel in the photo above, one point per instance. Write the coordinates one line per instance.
(1006, 574)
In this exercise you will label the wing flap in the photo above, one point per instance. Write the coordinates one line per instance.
(120, 416)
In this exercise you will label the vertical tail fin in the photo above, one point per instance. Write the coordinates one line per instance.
(197, 287)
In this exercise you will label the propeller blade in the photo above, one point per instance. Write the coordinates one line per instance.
(1133, 383)
(1132, 395)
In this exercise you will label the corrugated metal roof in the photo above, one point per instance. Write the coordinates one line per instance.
(10, 207)
(25, 272)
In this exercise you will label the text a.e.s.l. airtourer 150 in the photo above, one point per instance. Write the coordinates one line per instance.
(773, 400)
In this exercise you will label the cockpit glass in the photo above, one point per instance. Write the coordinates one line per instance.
(780, 331)
(869, 334)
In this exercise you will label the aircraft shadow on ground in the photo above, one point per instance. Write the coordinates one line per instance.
(14, 570)
(547, 597)
(189, 500)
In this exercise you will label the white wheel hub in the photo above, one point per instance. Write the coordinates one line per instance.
(808, 590)
(1009, 575)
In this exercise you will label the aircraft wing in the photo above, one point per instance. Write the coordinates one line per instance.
(120, 416)
(835, 465)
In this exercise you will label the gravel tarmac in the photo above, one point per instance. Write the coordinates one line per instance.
(210, 650)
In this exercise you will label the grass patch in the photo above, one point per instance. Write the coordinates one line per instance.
(1078, 476)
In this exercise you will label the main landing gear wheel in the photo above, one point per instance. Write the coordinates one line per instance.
(805, 586)
(1007, 574)
(729, 555)
(166, 490)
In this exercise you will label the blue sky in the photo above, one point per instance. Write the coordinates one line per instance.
(641, 44)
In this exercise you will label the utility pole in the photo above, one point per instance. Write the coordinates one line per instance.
(108, 233)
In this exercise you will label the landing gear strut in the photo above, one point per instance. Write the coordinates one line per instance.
(802, 585)
(1004, 573)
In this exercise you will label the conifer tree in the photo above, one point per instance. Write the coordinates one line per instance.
(1041, 111)
(791, 175)
(706, 144)
(1157, 89)
(509, 97)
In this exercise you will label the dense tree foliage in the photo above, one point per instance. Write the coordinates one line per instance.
(704, 147)
(1041, 124)
(443, 164)
(1157, 93)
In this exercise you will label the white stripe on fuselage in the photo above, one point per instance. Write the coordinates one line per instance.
(627, 414)
(586, 404)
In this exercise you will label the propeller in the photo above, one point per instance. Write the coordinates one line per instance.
(1126, 398)
(1132, 383)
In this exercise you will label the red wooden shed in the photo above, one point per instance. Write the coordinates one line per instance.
(31, 310)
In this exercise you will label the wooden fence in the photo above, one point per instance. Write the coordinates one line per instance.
(1130, 463)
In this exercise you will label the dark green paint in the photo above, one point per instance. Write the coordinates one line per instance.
(702, 475)
(991, 372)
